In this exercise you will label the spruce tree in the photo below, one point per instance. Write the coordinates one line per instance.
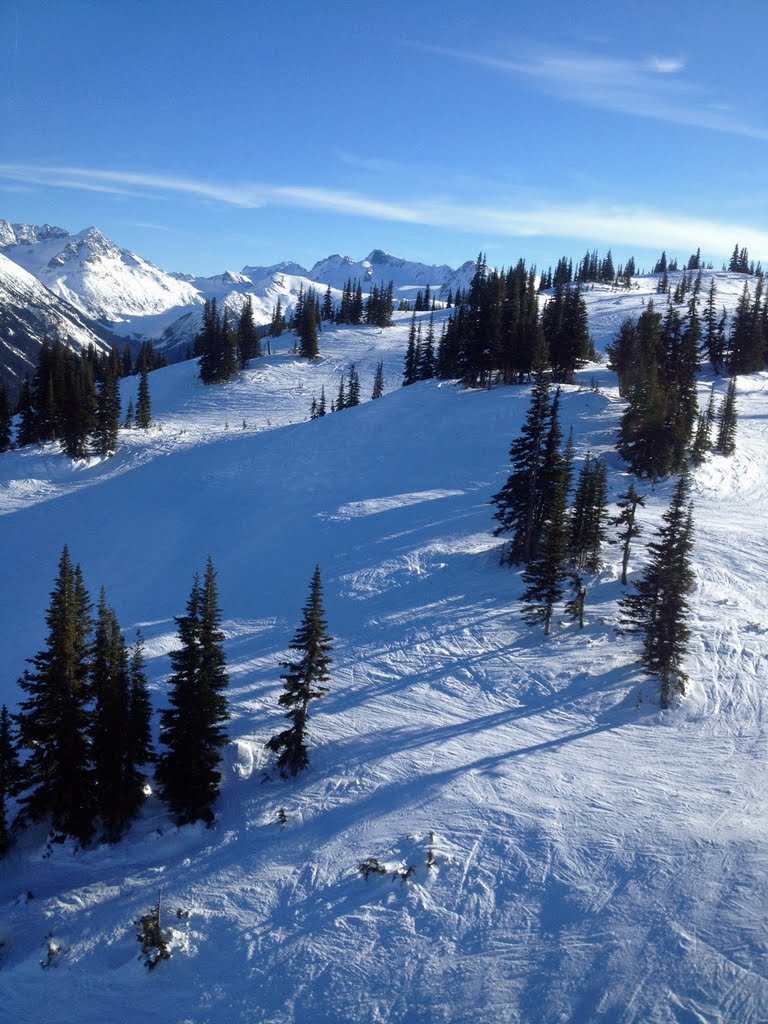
(248, 346)
(587, 520)
(57, 781)
(659, 607)
(9, 775)
(726, 431)
(108, 414)
(192, 728)
(702, 439)
(627, 519)
(6, 417)
(119, 732)
(521, 502)
(378, 382)
(353, 388)
(546, 574)
(143, 406)
(303, 681)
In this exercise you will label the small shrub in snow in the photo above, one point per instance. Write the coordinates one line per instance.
(371, 866)
(154, 941)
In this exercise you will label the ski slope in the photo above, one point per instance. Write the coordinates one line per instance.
(595, 859)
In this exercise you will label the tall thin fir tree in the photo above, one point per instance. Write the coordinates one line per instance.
(57, 782)
(9, 775)
(192, 728)
(702, 439)
(546, 574)
(727, 419)
(304, 680)
(628, 503)
(378, 382)
(143, 404)
(6, 420)
(519, 503)
(659, 608)
(120, 744)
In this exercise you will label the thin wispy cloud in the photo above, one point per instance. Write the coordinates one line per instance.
(624, 225)
(651, 88)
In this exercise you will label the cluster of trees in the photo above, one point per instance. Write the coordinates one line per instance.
(550, 539)
(420, 357)
(656, 360)
(555, 544)
(496, 332)
(225, 348)
(348, 394)
(79, 752)
(74, 398)
(740, 262)
(377, 309)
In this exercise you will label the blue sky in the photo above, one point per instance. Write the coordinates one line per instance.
(206, 136)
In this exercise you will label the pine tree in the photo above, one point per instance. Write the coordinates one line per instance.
(6, 417)
(587, 521)
(659, 607)
(520, 502)
(726, 431)
(353, 388)
(143, 407)
(547, 573)
(247, 337)
(9, 775)
(378, 381)
(627, 519)
(303, 681)
(702, 439)
(410, 366)
(57, 780)
(108, 414)
(120, 741)
(192, 728)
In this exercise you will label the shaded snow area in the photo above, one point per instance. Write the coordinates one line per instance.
(595, 859)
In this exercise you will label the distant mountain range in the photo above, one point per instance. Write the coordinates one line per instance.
(92, 290)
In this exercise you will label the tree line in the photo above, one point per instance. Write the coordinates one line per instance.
(74, 398)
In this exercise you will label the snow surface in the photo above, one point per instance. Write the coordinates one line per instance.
(595, 858)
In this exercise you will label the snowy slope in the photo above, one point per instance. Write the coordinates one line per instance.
(596, 860)
(28, 312)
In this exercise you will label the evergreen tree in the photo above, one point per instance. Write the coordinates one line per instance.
(307, 321)
(703, 437)
(378, 381)
(321, 410)
(143, 406)
(248, 346)
(303, 681)
(520, 502)
(108, 414)
(353, 388)
(129, 415)
(9, 775)
(192, 728)
(27, 432)
(659, 607)
(341, 398)
(546, 574)
(120, 730)
(627, 519)
(411, 366)
(587, 521)
(327, 310)
(277, 324)
(6, 416)
(57, 781)
(726, 431)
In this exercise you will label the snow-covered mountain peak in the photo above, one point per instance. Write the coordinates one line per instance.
(28, 234)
